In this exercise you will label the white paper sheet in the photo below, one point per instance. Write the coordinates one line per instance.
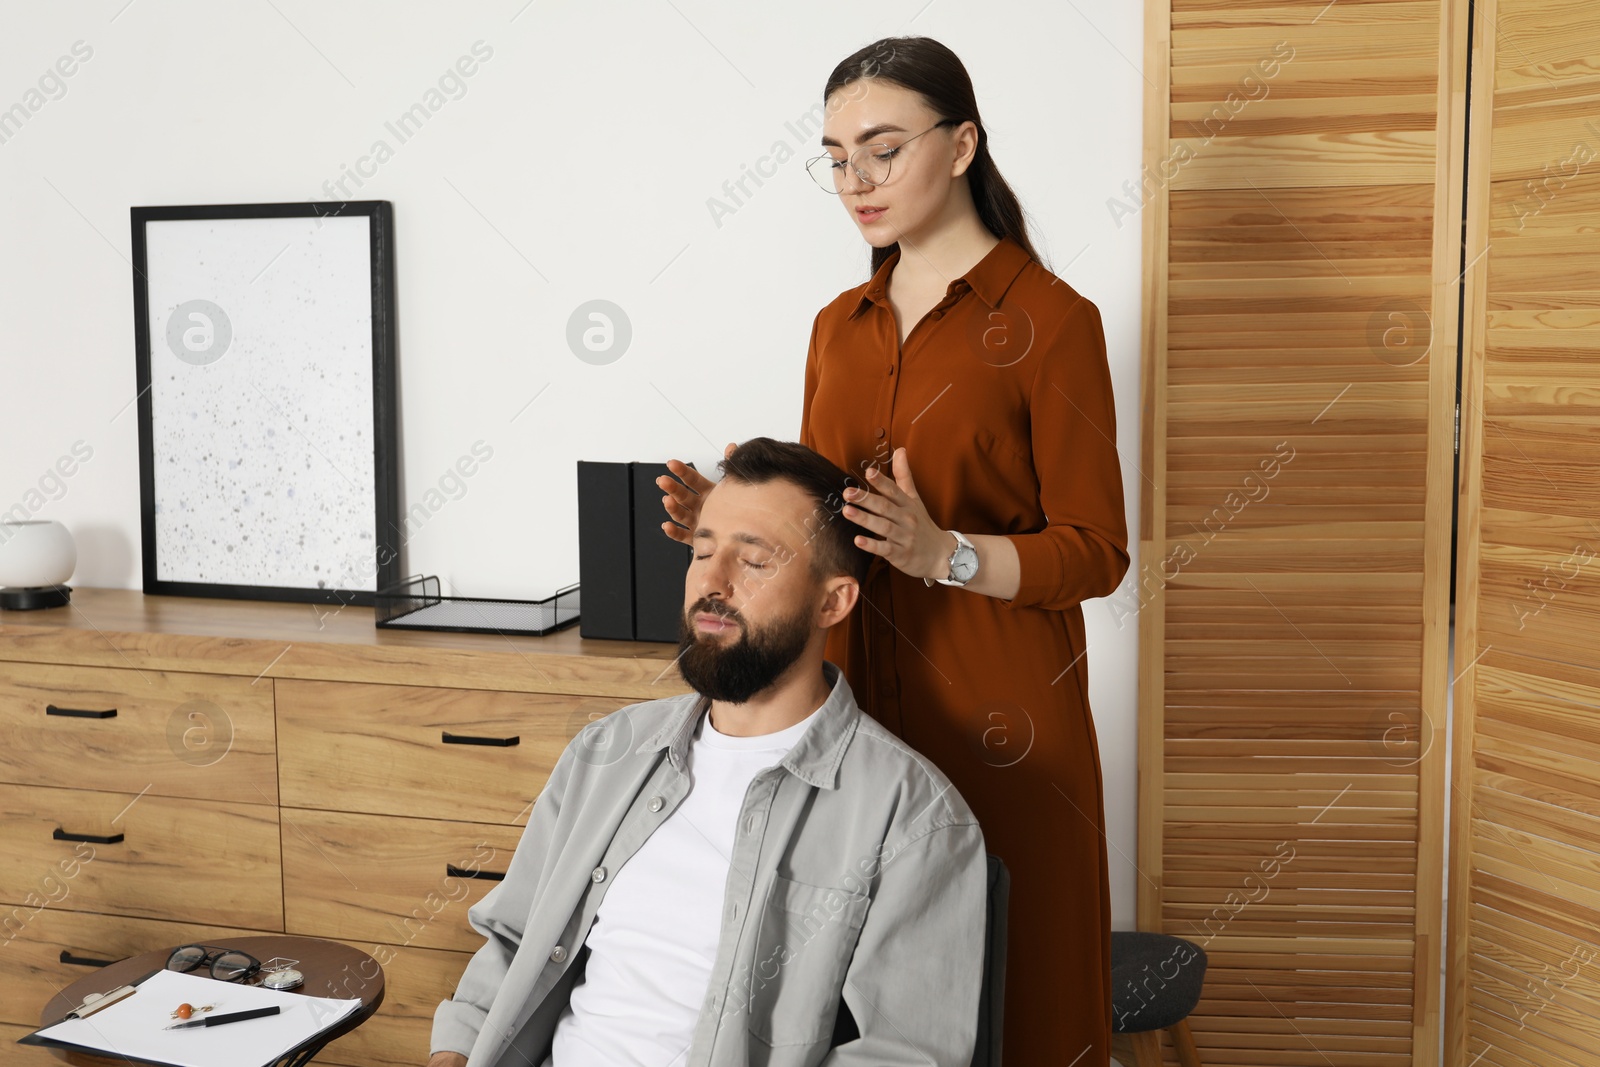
(134, 1026)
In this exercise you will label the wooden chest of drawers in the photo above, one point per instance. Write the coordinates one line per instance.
(175, 769)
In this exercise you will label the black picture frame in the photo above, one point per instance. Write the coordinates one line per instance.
(169, 258)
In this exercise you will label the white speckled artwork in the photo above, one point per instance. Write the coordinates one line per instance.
(261, 401)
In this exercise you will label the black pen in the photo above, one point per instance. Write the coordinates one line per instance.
(231, 1017)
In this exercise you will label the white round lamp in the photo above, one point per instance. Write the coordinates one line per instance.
(37, 556)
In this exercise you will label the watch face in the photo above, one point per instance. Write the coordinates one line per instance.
(965, 564)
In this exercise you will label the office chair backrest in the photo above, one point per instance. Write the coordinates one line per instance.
(991, 1000)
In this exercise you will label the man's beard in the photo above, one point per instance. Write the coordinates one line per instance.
(733, 672)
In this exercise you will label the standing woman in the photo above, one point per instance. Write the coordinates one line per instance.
(965, 359)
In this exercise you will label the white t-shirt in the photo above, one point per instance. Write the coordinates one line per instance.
(654, 938)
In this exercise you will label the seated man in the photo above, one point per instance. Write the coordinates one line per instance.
(755, 872)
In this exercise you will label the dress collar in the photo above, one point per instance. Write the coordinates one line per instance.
(990, 277)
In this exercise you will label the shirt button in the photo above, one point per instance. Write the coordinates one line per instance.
(878, 432)
(733, 910)
(750, 822)
(599, 875)
(558, 954)
(655, 803)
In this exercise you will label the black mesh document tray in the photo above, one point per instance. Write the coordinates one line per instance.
(415, 604)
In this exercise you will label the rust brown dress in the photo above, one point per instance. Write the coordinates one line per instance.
(1002, 397)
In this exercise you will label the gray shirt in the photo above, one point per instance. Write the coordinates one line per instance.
(857, 881)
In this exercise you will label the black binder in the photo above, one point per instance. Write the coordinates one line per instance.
(605, 550)
(630, 571)
(659, 562)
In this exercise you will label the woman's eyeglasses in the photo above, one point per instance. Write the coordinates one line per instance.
(227, 964)
(871, 162)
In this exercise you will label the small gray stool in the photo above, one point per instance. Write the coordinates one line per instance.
(1155, 984)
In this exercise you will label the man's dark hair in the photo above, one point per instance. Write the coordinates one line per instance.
(834, 551)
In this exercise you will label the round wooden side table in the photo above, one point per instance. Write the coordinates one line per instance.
(331, 969)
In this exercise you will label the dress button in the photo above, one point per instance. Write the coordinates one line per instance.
(655, 803)
(891, 370)
(558, 954)
(878, 432)
(598, 875)
(935, 314)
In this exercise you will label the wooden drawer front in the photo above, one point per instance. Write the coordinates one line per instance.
(380, 748)
(206, 861)
(182, 735)
(386, 879)
(415, 981)
(34, 972)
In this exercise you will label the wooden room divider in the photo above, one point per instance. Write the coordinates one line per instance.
(1302, 211)
(1524, 950)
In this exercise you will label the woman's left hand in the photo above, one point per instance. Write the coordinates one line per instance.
(907, 536)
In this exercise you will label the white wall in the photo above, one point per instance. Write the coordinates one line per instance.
(579, 163)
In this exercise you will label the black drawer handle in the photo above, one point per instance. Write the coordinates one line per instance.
(94, 839)
(84, 961)
(453, 871)
(463, 739)
(80, 713)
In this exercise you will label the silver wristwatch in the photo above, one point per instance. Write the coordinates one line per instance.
(963, 563)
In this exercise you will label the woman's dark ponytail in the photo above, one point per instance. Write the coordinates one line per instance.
(925, 66)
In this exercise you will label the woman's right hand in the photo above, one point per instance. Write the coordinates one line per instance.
(683, 497)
